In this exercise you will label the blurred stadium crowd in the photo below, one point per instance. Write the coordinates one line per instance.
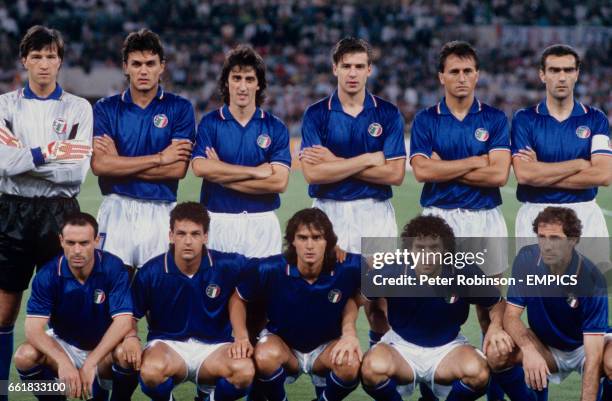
(295, 38)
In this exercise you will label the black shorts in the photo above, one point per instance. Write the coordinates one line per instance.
(29, 229)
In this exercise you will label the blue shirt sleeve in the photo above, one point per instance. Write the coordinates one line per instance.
(594, 315)
(394, 146)
(500, 134)
(203, 138)
(601, 126)
(101, 124)
(279, 150)
(140, 293)
(254, 282)
(184, 126)
(42, 296)
(421, 141)
(520, 134)
(516, 292)
(120, 299)
(311, 128)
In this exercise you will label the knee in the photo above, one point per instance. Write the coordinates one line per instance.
(242, 372)
(476, 373)
(500, 361)
(26, 357)
(119, 357)
(607, 362)
(375, 367)
(345, 372)
(152, 371)
(268, 358)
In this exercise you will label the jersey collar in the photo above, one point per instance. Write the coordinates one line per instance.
(224, 113)
(170, 266)
(442, 108)
(55, 95)
(63, 270)
(333, 103)
(126, 96)
(578, 110)
(293, 271)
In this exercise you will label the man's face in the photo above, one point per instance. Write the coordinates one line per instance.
(560, 76)
(352, 71)
(189, 239)
(242, 85)
(460, 76)
(555, 247)
(42, 65)
(426, 245)
(309, 245)
(79, 245)
(144, 70)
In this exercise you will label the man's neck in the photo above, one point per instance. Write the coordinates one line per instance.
(351, 103)
(560, 109)
(188, 267)
(242, 114)
(143, 98)
(83, 273)
(310, 272)
(459, 106)
(42, 91)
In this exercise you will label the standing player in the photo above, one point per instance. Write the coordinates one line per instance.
(142, 147)
(188, 296)
(311, 304)
(45, 138)
(562, 152)
(83, 294)
(242, 154)
(352, 152)
(566, 333)
(424, 344)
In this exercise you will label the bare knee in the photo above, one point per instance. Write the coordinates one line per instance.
(476, 373)
(375, 367)
(119, 357)
(345, 372)
(242, 372)
(26, 357)
(152, 371)
(607, 361)
(268, 358)
(500, 361)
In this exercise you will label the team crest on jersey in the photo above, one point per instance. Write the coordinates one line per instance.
(375, 130)
(572, 301)
(264, 141)
(160, 120)
(334, 296)
(452, 299)
(99, 296)
(481, 134)
(213, 291)
(583, 132)
(59, 126)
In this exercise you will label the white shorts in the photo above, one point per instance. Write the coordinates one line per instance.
(353, 220)
(424, 361)
(567, 362)
(193, 353)
(254, 235)
(134, 230)
(487, 225)
(306, 361)
(77, 357)
(593, 226)
(608, 338)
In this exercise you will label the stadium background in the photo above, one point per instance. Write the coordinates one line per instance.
(295, 38)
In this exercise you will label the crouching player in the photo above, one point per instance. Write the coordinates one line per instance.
(607, 386)
(83, 295)
(188, 297)
(312, 305)
(567, 323)
(424, 344)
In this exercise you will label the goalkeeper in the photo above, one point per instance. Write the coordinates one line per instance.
(45, 137)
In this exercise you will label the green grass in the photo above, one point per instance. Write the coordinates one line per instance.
(406, 203)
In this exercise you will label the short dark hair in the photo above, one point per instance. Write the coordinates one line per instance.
(350, 45)
(460, 49)
(572, 227)
(79, 219)
(429, 226)
(191, 211)
(243, 56)
(141, 41)
(559, 50)
(316, 219)
(38, 37)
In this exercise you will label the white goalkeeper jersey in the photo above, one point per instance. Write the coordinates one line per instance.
(36, 122)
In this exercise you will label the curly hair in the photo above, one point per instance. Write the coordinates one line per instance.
(429, 226)
(572, 226)
(191, 211)
(243, 56)
(316, 219)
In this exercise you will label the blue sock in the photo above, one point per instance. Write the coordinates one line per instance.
(426, 393)
(6, 353)
(512, 381)
(607, 389)
(463, 392)
(161, 392)
(374, 337)
(255, 392)
(40, 372)
(125, 382)
(273, 386)
(542, 395)
(384, 391)
(319, 390)
(336, 388)
(226, 391)
(495, 392)
(98, 393)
